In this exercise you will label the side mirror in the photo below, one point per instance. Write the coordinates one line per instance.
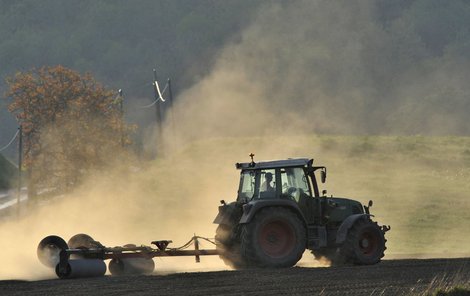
(323, 176)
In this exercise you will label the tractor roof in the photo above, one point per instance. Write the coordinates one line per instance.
(290, 162)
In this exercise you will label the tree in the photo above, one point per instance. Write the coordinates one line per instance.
(71, 125)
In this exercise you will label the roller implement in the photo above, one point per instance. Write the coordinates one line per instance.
(278, 214)
(82, 256)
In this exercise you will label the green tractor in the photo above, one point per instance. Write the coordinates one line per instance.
(279, 212)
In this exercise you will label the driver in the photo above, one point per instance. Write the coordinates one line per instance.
(266, 186)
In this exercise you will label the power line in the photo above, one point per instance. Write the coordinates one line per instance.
(11, 141)
(157, 99)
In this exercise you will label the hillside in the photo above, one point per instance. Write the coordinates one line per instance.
(419, 184)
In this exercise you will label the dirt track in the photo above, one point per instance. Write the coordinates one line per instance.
(391, 277)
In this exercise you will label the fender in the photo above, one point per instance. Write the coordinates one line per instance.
(346, 225)
(251, 208)
(228, 214)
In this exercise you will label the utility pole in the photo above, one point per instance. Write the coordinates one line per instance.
(20, 165)
(158, 111)
(170, 93)
(170, 97)
(121, 110)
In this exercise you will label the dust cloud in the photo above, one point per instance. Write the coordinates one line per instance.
(300, 68)
(332, 67)
(116, 208)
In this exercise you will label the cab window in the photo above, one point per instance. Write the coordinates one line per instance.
(294, 184)
(257, 185)
(247, 186)
(268, 184)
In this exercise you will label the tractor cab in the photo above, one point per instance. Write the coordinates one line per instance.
(291, 179)
(288, 183)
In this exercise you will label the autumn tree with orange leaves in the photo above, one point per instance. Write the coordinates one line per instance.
(71, 125)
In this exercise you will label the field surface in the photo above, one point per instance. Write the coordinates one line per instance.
(391, 277)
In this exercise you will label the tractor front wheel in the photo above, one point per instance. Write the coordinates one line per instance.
(365, 243)
(275, 237)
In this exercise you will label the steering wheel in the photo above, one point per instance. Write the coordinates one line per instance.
(288, 193)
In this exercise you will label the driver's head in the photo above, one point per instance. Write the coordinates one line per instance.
(268, 176)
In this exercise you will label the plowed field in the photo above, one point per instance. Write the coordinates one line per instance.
(391, 277)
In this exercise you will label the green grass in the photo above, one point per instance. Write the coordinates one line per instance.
(456, 291)
(457, 285)
(420, 185)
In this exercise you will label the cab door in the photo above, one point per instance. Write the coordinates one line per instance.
(296, 186)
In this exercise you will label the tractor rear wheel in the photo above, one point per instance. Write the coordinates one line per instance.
(275, 237)
(364, 245)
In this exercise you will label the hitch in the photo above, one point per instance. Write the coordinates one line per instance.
(161, 244)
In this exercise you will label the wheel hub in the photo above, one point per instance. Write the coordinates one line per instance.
(276, 239)
(365, 243)
(368, 243)
(272, 238)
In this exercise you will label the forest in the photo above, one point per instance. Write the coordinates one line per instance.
(119, 42)
(351, 67)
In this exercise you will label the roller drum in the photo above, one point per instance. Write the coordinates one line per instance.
(131, 266)
(79, 268)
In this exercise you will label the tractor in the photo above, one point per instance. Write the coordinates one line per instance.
(279, 212)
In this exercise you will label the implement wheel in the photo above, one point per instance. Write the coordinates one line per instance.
(131, 266)
(49, 249)
(275, 237)
(81, 240)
